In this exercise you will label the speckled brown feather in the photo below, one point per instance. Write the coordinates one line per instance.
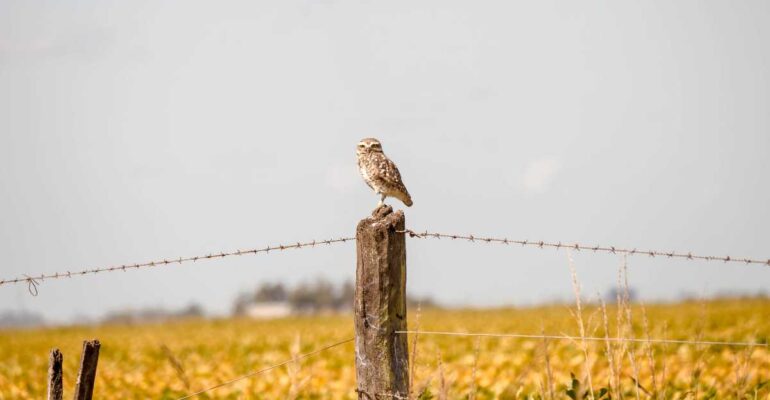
(379, 172)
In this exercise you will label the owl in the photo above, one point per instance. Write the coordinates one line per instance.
(380, 173)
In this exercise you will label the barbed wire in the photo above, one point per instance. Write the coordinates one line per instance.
(598, 339)
(34, 281)
(577, 246)
(272, 367)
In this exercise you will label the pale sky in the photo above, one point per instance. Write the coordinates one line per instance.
(137, 130)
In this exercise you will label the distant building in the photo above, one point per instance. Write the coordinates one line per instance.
(268, 310)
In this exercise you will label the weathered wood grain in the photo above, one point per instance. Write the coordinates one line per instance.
(55, 389)
(382, 361)
(84, 388)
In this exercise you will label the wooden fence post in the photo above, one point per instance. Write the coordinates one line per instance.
(55, 391)
(382, 361)
(84, 388)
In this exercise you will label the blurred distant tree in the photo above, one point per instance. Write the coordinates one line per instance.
(152, 314)
(22, 319)
(313, 297)
(268, 292)
(344, 299)
(241, 303)
(191, 311)
(612, 295)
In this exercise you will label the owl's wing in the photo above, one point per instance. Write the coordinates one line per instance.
(389, 173)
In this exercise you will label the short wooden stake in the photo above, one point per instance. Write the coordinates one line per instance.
(55, 391)
(84, 388)
(382, 357)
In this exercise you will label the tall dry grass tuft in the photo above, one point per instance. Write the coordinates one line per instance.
(413, 361)
(472, 394)
(180, 372)
(664, 364)
(581, 326)
(293, 369)
(548, 370)
(620, 327)
(649, 351)
(629, 327)
(423, 387)
(699, 351)
(443, 386)
(609, 351)
(742, 363)
(634, 371)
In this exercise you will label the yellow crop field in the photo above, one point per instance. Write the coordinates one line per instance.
(170, 360)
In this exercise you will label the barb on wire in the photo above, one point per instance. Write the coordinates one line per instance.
(263, 370)
(577, 246)
(597, 339)
(34, 281)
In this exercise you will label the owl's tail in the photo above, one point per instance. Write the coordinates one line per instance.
(405, 198)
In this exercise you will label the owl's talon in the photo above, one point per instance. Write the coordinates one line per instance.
(382, 200)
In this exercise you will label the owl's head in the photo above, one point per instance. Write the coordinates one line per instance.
(369, 145)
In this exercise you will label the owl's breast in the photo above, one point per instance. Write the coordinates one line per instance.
(365, 169)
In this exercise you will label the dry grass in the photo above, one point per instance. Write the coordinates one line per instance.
(133, 363)
(578, 314)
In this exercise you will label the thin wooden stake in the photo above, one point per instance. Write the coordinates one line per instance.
(55, 391)
(382, 357)
(84, 388)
